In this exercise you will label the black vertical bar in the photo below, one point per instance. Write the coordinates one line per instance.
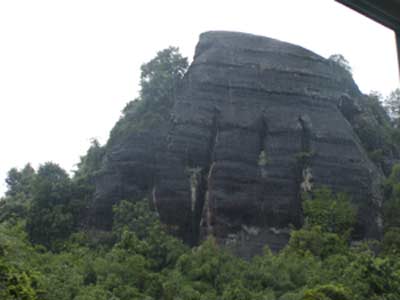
(397, 33)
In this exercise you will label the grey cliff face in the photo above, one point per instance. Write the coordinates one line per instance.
(256, 123)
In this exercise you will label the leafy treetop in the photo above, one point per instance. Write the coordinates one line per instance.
(159, 82)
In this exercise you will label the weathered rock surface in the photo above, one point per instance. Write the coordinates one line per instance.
(257, 122)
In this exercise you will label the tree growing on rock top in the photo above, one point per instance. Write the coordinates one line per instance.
(341, 61)
(159, 81)
(159, 77)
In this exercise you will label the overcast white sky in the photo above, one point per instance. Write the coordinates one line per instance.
(67, 68)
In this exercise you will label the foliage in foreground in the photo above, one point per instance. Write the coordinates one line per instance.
(144, 262)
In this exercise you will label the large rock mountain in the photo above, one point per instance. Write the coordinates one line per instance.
(256, 123)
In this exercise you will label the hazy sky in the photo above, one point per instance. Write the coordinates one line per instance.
(67, 68)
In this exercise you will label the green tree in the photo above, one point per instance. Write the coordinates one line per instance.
(93, 292)
(281, 275)
(333, 213)
(236, 291)
(327, 292)
(371, 277)
(83, 181)
(19, 276)
(391, 241)
(15, 284)
(90, 164)
(50, 218)
(392, 103)
(314, 240)
(19, 181)
(14, 206)
(160, 76)
(210, 268)
(161, 249)
(159, 80)
(329, 220)
(392, 199)
(134, 216)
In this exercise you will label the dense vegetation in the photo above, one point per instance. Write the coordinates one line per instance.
(47, 257)
(46, 252)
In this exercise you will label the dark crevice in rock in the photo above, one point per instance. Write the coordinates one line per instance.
(304, 170)
(200, 211)
(305, 124)
(263, 157)
(262, 132)
(262, 162)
